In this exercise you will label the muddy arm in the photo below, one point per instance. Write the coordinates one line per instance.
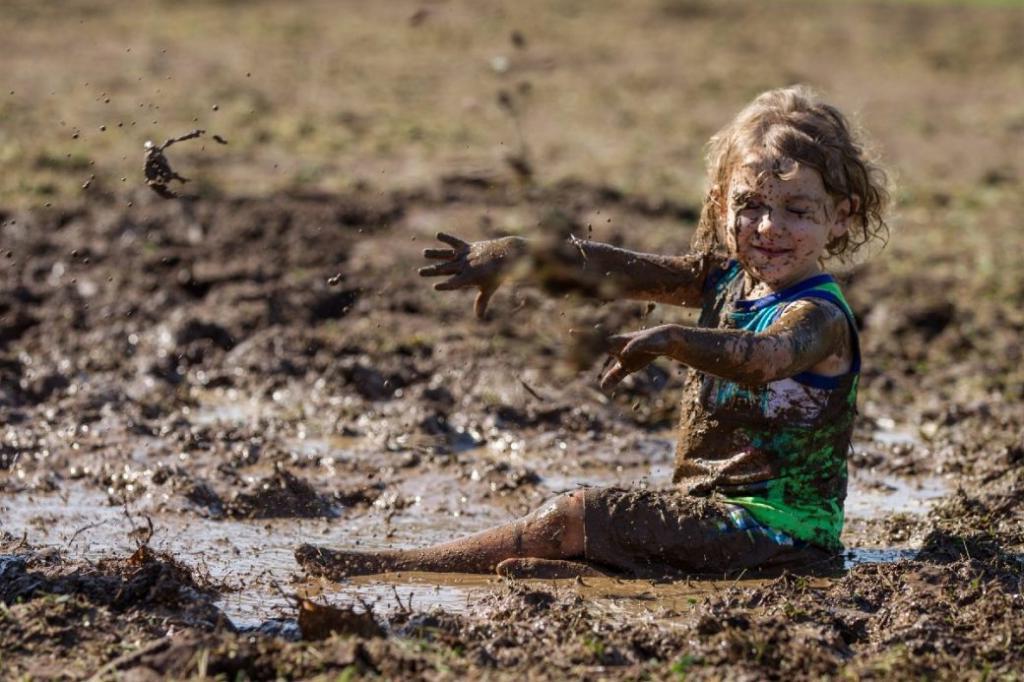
(806, 334)
(614, 273)
(590, 268)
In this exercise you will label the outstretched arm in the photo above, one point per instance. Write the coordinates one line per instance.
(806, 335)
(676, 280)
(601, 270)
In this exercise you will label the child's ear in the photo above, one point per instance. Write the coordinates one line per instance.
(845, 209)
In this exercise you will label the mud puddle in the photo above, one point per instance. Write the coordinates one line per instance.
(421, 507)
(615, 599)
(871, 496)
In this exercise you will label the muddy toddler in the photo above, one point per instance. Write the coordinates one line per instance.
(769, 402)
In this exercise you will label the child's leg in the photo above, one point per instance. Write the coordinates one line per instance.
(554, 531)
(547, 569)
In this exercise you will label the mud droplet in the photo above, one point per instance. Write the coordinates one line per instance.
(216, 107)
(103, 129)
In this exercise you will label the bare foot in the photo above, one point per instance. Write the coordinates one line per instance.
(546, 569)
(337, 564)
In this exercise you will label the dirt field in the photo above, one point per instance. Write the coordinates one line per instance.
(191, 388)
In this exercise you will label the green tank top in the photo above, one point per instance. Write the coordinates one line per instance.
(778, 449)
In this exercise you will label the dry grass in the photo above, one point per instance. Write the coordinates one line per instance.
(397, 93)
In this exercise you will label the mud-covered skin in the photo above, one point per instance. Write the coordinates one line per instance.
(553, 531)
(780, 221)
(483, 265)
(780, 448)
(807, 336)
(607, 271)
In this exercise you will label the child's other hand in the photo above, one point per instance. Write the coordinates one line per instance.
(482, 264)
(634, 351)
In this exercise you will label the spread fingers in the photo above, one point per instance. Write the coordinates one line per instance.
(445, 268)
(446, 254)
(617, 342)
(613, 376)
(456, 282)
(452, 241)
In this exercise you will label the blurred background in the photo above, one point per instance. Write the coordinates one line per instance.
(325, 95)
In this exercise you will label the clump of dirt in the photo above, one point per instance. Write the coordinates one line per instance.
(320, 621)
(70, 617)
(157, 169)
(281, 495)
(146, 579)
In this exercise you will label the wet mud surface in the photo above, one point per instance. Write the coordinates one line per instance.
(186, 398)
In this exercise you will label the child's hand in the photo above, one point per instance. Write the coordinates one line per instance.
(634, 351)
(481, 264)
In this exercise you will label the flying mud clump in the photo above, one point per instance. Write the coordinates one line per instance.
(159, 173)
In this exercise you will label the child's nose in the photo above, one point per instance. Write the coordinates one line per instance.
(768, 222)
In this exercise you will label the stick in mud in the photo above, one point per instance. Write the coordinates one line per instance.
(139, 534)
(159, 173)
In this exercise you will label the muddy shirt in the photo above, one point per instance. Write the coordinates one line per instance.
(777, 449)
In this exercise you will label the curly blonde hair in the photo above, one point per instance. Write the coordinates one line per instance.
(796, 124)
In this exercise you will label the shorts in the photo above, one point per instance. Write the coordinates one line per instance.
(647, 532)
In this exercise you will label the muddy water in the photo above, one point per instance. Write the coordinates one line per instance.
(253, 558)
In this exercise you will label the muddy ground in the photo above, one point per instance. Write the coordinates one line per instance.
(190, 389)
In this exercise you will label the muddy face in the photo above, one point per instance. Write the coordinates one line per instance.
(780, 220)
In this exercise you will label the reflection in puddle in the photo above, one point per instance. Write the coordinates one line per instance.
(856, 557)
(872, 497)
(462, 593)
(438, 504)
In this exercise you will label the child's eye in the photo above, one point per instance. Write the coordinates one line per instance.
(801, 212)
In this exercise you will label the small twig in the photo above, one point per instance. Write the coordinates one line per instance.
(139, 544)
(405, 609)
(88, 526)
(292, 597)
(531, 390)
(578, 243)
(739, 578)
(131, 657)
(368, 606)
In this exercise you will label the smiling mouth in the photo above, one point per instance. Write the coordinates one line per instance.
(771, 251)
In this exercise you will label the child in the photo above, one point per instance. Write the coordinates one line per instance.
(768, 406)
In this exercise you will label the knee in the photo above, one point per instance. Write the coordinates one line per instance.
(562, 510)
(559, 521)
